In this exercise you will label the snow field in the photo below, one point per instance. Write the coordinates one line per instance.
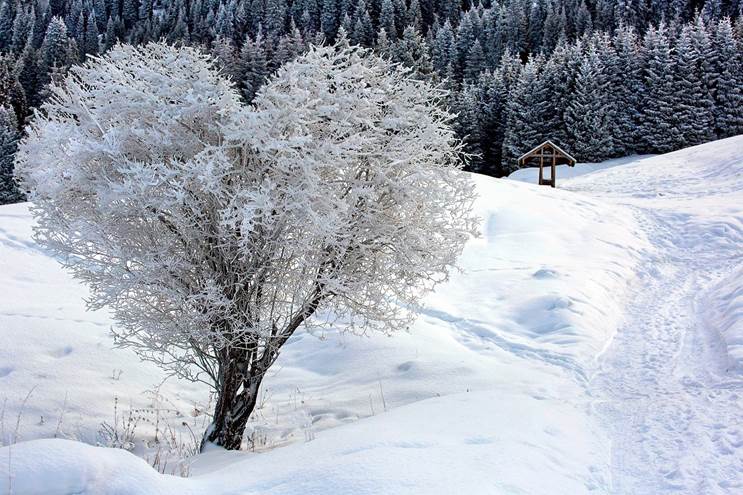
(590, 344)
(490, 381)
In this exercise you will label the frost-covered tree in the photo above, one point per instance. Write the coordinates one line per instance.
(214, 231)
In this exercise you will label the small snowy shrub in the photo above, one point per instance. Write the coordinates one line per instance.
(215, 230)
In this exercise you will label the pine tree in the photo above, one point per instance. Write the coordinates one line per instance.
(411, 51)
(729, 83)
(363, 31)
(444, 51)
(90, 40)
(130, 12)
(110, 37)
(558, 79)
(492, 38)
(491, 112)
(475, 61)
(554, 30)
(694, 105)
(628, 90)
(527, 106)
(468, 126)
(583, 22)
(7, 16)
(9, 135)
(224, 50)
(383, 46)
(54, 47)
(329, 19)
(659, 125)
(26, 69)
(11, 91)
(589, 117)
(414, 16)
(465, 39)
(254, 66)
(387, 19)
(276, 16)
(101, 15)
(23, 27)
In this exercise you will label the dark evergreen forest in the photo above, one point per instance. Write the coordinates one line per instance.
(602, 78)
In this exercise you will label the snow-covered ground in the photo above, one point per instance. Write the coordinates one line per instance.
(531, 174)
(592, 344)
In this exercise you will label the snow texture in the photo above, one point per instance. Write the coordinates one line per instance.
(590, 345)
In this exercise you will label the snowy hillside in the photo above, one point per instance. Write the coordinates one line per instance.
(591, 344)
(531, 174)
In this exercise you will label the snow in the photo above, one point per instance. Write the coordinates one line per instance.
(531, 174)
(591, 344)
(668, 391)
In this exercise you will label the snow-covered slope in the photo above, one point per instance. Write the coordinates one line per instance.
(670, 390)
(531, 174)
(509, 382)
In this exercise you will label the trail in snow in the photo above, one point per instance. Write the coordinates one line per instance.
(666, 389)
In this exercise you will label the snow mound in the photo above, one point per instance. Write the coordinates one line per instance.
(65, 467)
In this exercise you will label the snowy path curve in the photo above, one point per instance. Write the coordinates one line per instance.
(666, 389)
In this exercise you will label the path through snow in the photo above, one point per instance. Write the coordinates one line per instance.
(667, 390)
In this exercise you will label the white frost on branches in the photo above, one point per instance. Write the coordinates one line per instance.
(214, 230)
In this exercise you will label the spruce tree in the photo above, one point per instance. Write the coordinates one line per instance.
(468, 126)
(444, 51)
(27, 71)
(411, 51)
(9, 135)
(728, 112)
(465, 39)
(90, 40)
(23, 27)
(659, 123)
(130, 12)
(387, 19)
(362, 32)
(628, 90)
(475, 61)
(254, 66)
(7, 16)
(589, 117)
(11, 91)
(329, 19)
(492, 97)
(527, 106)
(414, 17)
(694, 104)
(54, 47)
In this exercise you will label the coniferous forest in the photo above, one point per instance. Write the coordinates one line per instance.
(602, 78)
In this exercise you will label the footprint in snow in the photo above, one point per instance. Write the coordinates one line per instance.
(62, 352)
(545, 273)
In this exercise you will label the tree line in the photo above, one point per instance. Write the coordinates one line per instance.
(601, 77)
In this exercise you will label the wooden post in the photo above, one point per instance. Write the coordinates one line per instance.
(554, 160)
(541, 166)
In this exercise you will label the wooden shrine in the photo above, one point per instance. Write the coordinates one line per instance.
(547, 155)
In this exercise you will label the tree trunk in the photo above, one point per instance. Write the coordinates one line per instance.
(236, 400)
